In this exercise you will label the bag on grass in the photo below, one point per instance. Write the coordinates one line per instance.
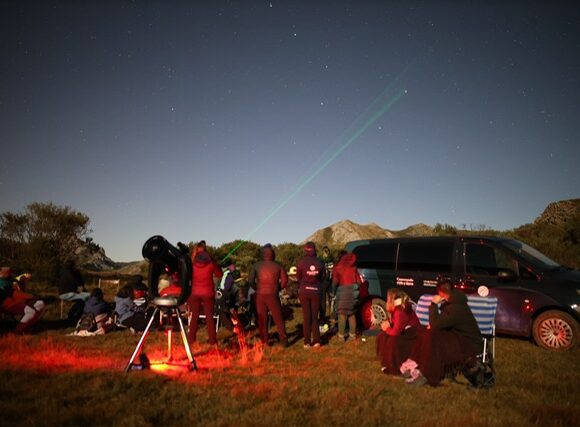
(479, 375)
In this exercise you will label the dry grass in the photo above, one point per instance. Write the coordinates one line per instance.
(54, 379)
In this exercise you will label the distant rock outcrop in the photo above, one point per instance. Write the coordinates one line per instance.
(558, 213)
(92, 257)
(342, 232)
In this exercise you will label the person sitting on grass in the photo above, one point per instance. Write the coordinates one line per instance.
(169, 285)
(452, 339)
(18, 303)
(399, 333)
(139, 289)
(128, 313)
(98, 309)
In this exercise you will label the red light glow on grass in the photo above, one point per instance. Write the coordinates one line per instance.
(49, 355)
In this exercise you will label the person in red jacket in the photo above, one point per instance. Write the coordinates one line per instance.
(267, 277)
(399, 333)
(203, 292)
(345, 284)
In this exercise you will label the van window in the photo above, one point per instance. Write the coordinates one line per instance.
(434, 257)
(381, 255)
(487, 260)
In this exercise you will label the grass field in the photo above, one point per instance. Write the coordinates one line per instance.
(53, 379)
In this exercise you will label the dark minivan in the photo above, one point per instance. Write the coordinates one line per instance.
(536, 296)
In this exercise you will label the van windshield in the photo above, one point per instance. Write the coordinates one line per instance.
(532, 255)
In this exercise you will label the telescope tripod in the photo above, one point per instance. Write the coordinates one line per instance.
(170, 311)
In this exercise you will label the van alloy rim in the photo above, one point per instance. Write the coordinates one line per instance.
(556, 333)
(378, 314)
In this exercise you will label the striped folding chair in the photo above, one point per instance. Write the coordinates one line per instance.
(484, 309)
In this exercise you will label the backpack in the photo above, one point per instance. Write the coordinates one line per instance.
(87, 322)
(479, 375)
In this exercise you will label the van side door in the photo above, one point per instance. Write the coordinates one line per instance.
(419, 263)
(485, 264)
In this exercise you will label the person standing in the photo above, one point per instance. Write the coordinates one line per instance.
(326, 296)
(346, 282)
(310, 273)
(268, 277)
(203, 292)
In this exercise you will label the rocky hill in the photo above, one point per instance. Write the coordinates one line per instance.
(92, 257)
(340, 233)
(559, 213)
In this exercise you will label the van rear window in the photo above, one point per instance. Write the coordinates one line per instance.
(380, 255)
(434, 257)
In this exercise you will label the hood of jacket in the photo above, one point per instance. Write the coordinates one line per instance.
(202, 258)
(457, 297)
(348, 259)
(268, 253)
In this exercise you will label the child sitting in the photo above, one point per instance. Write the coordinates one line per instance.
(128, 313)
(96, 314)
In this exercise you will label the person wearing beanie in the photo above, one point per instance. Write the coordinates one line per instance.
(203, 292)
(268, 277)
(139, 288)
(310, 274)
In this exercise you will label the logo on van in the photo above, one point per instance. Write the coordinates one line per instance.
(405, 281)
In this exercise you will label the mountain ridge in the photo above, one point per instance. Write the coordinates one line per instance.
(338, 234)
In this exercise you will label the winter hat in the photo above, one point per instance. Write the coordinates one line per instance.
(137, 283)
(310, 248)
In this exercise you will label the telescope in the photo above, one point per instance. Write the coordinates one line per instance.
(164, 258)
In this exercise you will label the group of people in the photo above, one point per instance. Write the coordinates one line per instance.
(14, 300)
(267, 277)
(404, 347)
(425, 355)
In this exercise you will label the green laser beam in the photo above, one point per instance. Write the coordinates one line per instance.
(321, 168)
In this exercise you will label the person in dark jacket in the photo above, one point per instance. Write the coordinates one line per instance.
(310, 273)
(100, 309)
(451, 340)
(203, 292)
(345, 283)
(268, 277)
(70, 281)
(128, 313)
(327, 293)
(71, 287)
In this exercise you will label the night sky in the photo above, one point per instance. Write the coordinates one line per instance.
(267, 121)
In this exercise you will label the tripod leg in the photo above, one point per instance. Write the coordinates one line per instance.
(169, 355)
(140, 343)
(185, 341)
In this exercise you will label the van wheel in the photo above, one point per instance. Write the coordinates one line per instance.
(556, 330)
(373, 313)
